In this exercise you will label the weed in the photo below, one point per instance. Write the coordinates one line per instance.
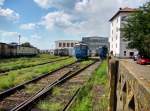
(44, 105)
(14, 78)
(84, 101)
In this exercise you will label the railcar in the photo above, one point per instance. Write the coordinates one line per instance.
(26, 51)
(6, 50)
(103, 52)
(61, 52)
(10, 50)
(81, 51)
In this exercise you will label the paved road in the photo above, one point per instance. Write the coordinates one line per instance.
(132, 61)
(140, 72)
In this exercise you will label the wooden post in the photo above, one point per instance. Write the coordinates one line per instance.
(113, 73)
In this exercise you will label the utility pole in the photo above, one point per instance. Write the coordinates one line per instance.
(19, 38)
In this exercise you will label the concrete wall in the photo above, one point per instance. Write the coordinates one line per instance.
(129, 86)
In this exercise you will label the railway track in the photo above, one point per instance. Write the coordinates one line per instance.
(31, 91)
(4, 72)
(64, 95)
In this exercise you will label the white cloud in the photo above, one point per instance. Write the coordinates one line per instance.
(60, 4)
(35, 36)
(8, 37)
(83, 17)
(2, 2)
(43, 3)
(59, 19)
(28, 26)
(81, 5)
(9, 14)
(96, 14)
(8, 34)
(131, 3)
(86, 16)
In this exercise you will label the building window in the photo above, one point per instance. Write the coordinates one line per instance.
(112, 46)
(68, 45)
(123, 18)
(64, 44)
(71, 44)
(131, 54)
(112, 39)
(125, 53)
(116, 45)
(60, 44)
(112, 32)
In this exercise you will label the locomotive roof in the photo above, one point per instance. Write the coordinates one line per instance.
(2, 43)
(15, 45)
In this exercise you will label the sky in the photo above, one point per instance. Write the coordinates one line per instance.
(41, 22)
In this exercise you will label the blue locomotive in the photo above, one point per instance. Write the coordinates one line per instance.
(81, 51)
(103, 52)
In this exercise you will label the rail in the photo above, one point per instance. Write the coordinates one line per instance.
(26, 105)
(10, 91)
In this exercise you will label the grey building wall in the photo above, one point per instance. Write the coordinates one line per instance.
(94, 43)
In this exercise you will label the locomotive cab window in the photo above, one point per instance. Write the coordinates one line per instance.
(83, 47)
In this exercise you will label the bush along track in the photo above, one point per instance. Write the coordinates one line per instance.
(94, 95)
(17, 77)
(5, 67)
(32, 89)
(30, 58)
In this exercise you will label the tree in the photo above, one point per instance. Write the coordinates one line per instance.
(26, 44)
(136, 30)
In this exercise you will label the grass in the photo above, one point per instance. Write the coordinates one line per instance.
(31, 88)
(44, 105)
(28, 62)
(14, 78)
(56, 91)
(84, 63)
(7, 60)
(85, 99)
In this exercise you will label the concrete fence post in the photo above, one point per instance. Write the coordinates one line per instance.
(113, 74)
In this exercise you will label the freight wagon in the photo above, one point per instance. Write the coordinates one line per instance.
(61, 52)
(11, 50)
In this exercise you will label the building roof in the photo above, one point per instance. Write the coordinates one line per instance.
(94, 37)
(66, 41)
(124, 10)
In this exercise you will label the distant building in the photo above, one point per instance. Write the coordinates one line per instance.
(66, 44)
(94, 43)
(45, 51)
(51, 51)
(117, 45)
